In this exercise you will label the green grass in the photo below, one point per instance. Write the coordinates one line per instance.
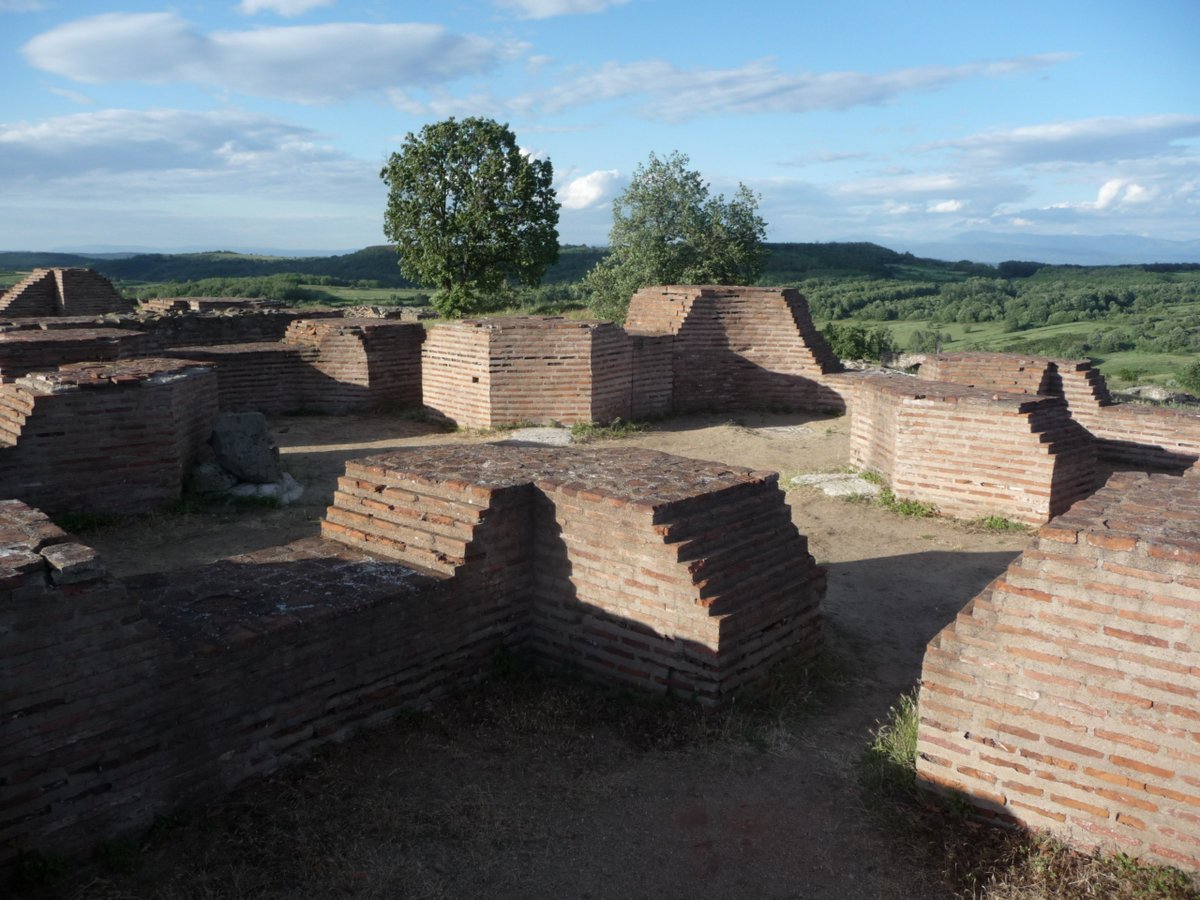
(1000, 525)
(586, 433)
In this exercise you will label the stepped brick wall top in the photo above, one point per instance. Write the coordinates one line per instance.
(104, 437)
(487, 372)
(63, 292)
(739, 347)
(1064, 696)
(970, 453)
(1127, 435)
(171, 689)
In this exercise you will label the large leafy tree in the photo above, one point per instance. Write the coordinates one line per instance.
(667, 229)
(470, 213)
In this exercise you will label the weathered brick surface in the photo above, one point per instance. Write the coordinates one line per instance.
(671, 574)
(969, 452)
(739, 347)
(124, 700)
(24, 350)
(1128, 435)
(482, 373)
(1065, 695)
(63, 292)
(104, 437)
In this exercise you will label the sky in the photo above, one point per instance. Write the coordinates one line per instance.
(255, 124)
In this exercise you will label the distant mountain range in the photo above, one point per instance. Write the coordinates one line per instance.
(973, 253)
(1055, 249)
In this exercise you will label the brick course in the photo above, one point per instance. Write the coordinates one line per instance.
(1064, 696)
(63, 292)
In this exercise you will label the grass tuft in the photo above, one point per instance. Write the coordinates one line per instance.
(1000, 525)
(585, 433)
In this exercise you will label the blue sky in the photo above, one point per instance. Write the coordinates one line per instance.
(264, 123)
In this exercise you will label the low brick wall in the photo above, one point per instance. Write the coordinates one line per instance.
(970, 453)
(483, 373)
(672, 574)
(24, 350)
(1156, 439)
(739, 347)
(124, 700)
(1064, 696)
(270, 378)
(104, 437)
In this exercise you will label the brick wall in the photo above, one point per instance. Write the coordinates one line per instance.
(1127, 435)
(112, 438)
(63, 292)
(739, 347)
(23, 350)
(971, 453)
(359, 363)
(482, 373)
(652, 381)
(270, 378)
(1064, 696)
(124, 700)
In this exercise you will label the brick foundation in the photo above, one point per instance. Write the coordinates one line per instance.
(127, 699)
(970, 453)
(104, 437)
(1064, 697)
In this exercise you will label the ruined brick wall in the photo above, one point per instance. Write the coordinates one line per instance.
(125, 700)
(63, 292)
(455, 375)
(23, 350)
(113, 438)
(269, 378)
(1128, 435)
(482, 373)
(359, 363)
(671, 574)
(739, 347)
(1064, 696)
(208, 329)
(652, 379)
(971, 453)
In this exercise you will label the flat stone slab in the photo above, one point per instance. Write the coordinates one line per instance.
(538, 437)
(784, 430)
(839, 484)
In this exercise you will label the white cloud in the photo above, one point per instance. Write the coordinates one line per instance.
(588, 190)
(116, 150)
(946, 206)
(759, 86)
(545, 9)
(286, 8)
(73, 96)
(1082, 140)
(305, 63)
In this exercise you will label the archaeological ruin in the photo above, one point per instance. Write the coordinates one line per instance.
(1063, 697)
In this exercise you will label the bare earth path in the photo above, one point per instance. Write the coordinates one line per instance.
(498, 795)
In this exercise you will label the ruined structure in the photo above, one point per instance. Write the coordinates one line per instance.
(63, 292)
(1126, 435)
(683, 349)
(739, 347)
(971, 453)
(169, 689)
(105, 437)
(1064, 696)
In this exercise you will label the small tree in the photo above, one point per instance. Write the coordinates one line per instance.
(470, 214)
(668, 230)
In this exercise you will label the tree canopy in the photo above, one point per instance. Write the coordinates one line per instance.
(470, 213)
(668, 230)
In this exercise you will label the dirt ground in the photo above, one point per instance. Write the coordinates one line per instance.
(500, 794)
